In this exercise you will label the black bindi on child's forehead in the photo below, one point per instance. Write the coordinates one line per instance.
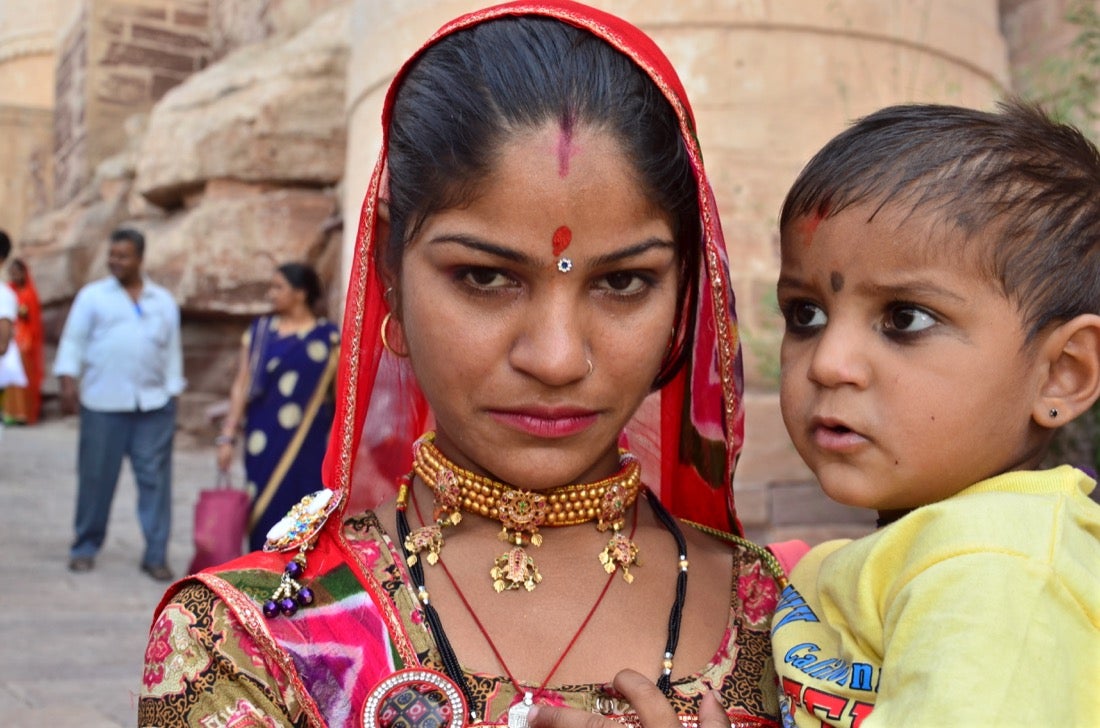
(836, 280)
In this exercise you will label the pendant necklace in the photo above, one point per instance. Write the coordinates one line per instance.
(522, 513)
(517, 714)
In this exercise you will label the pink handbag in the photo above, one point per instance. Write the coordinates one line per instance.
(221, 522)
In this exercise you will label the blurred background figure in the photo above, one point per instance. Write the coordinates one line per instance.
(120, 366)
(22, 404)
(11, 368)
(281, 398)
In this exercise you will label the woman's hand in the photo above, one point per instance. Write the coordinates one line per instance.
(225, 456)
(650, 703)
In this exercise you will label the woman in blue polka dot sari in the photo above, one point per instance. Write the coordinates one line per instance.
(281, 398)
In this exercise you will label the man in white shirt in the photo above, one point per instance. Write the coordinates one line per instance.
(122, 340)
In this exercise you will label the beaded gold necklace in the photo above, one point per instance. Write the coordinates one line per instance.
(522, 512)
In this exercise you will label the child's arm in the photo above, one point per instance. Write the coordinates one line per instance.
(988, 638)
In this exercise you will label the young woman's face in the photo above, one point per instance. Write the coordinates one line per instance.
(532, 372)
(283, 296)
(905, 374)
(17, 274)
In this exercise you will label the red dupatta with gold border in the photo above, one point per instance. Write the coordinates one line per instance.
(688, 434)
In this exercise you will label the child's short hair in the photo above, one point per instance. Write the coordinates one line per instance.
(1027, 186)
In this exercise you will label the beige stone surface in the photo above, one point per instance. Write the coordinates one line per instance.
(27, 57)
(116, 58)
(25, 165)
(243, 233)
(27, 50)
(271, 112)
(237, 23)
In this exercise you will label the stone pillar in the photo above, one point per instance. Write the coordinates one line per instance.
(25, 188)
(27, 30)
(770, 82)
(118, 57)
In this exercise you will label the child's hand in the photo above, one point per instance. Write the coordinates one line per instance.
(653, 710)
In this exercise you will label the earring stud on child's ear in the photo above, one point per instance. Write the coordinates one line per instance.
(1053, 413)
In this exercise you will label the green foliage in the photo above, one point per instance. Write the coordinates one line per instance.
(1068, 84)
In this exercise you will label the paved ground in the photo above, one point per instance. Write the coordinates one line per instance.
(73, 644)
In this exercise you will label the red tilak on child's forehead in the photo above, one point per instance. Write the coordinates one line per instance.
(809, 223)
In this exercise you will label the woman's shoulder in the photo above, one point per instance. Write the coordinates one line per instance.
(328, 330)
(748, 555)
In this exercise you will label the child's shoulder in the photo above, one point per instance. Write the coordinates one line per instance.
(1035, 515)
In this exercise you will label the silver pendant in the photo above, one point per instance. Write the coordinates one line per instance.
(517, 714)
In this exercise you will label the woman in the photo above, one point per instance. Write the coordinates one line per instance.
(282, 399)
(22, 404)
(540, 252)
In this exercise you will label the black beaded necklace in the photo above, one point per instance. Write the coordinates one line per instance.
(453, 668)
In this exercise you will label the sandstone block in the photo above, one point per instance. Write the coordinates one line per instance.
(272, 112)
(218, 257)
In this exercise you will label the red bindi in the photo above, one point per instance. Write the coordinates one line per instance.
(562, 237)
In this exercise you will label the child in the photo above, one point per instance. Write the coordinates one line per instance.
(940, 284)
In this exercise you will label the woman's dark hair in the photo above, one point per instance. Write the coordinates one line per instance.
(467, 95)
(302, 277)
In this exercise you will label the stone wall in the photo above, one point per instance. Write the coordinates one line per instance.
(237, 23)
(229, 173)
(118, 58)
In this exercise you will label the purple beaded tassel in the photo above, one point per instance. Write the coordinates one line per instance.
(290, 594)
(297, 529)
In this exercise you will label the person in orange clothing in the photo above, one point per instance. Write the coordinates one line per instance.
(23, 404)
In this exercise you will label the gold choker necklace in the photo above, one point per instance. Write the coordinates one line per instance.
(522, 512)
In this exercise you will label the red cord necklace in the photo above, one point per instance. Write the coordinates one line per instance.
(517, 714)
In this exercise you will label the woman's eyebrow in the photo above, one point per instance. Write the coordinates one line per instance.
(632, 251)
(485, 247)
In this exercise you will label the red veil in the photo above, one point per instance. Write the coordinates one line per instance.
(687, 435)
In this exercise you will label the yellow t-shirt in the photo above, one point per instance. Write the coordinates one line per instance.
(980, 610)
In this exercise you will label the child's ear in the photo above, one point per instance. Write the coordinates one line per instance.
(1072, 382)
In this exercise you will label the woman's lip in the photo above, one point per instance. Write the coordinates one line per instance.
(549, 423)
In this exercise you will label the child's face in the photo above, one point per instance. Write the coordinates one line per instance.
(904, 373)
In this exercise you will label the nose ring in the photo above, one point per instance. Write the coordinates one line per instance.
(590, 367)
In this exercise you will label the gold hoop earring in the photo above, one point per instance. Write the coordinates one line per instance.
(385, 341)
